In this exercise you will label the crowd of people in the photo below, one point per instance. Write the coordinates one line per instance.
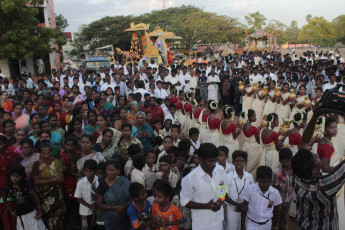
(153, 147)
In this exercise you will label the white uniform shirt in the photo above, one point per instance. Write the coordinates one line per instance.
(328, 86)
(138, 176)
(172, 118)
(193, 83)
(199, 187)
(83, 191)
(161, 93)
(186, 77)
(257, 78)
(150, 176)
(174, 80)
(236, 185)
(258, 202)
(173, 178)
(105, 86)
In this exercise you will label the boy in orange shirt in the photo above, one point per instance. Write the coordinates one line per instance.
(165, 214)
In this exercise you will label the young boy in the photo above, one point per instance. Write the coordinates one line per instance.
(165, 214)
(167, 143)
(194, 136)
(261, 202)
(138, 163)
(98, 215)
(181, 161)
(83, 192)
(222, 162)
(172, 116)
(157, 125)
(139, 211)
(150, 169)
(175, 134)
(133, 149)
(236, 182)
(166, 174)
(167, 127)
(282, 180)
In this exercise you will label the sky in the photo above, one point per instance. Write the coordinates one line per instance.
(79, 12)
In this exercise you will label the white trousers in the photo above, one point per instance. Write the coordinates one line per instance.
(232, 218)
(253, 226)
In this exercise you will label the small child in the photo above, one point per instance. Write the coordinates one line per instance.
(167, 127)
(172, 116)
(138, 163)
(166, 174)
(27, 207)
(173, 153)
(195, 159)
(261, 202)
(282, 180)
(157, 125)
(151, 198)
(236, 181)
(98, 215)
(181, 162)
(222, 162)
(83, 194)
(167, 143)
(175, 134)
(139, 211)
(148, 115)
(165, 214)
(133, 149)
(150, 169)
(194, 136)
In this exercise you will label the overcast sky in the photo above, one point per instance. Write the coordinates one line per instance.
(80, 12)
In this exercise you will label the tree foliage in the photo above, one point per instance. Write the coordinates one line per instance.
(339, 28)
(255, 20)
(292, 33)
(20, 35)
(318, 32)
(61, 22)
(278, 29)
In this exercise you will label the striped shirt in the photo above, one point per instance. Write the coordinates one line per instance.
(317, 202)
(283, 182)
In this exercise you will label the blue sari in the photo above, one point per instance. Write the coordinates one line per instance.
(144, 140)
(117, 194)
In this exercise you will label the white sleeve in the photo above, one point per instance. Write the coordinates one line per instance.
(246, 194)
(277, 200)
(182, 81)
(186, 193)
(77, 193)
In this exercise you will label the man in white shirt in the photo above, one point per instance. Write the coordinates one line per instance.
(107, 83)
(255, 77)
(199, 191)
(83, 83)
(141, 90)
(270, 74)
(175, 80)
(186, 78)
(261, 198)
(331, 83)
(257, 59)
(159, 91)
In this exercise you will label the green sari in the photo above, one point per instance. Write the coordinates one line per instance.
(51, 196)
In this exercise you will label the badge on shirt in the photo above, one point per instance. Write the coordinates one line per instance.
(222, 192)
(270, 204)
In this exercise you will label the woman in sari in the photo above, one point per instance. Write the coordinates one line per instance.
(213, 124)
(113, 198)
(126, 140)
(283, 104)
(42, 112)
(20, 135)
(228, 131)
(92, 121)
(5, 103)
(86, 153)
(47, 174)
(123, 118)
(199, 106)
(107, 147)
(180, 113)
(251, 143)
(294, 135)
(330, 158)
(133, 109)
(270, 142)
(8, 130)
(143, 131)
(271, 104)
(299, 103)
(259, 103)
(21, 119)
(34, 118)
(75, 128)
(77, 97)
(102, 125)
(27, 158)
(248, 97)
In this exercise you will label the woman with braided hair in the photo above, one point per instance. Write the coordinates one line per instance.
(251, 141)
(180, 113)
(259, 103)
(229, 131)
(283, 103)
(213, 124)
(199, 106)
(295, 134)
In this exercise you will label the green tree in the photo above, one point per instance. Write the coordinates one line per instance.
(278, 29)
(20, 35)
(308, 17)
(318, 32)
(61, 22)
(292, 33)
(255, 20)
(338, 26)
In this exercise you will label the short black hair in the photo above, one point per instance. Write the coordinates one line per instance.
(133, 149)
(302, 164)
(90, 164)
(165, 159)
(102, 166)
(240, 153)
(139, 161)
(183, 154)
(193, 131)
(173, 150)
(184, 145)
(149, 150)
(285, 153)
(264, 172)
(135, 188)
(208, 150)
(165, 189)
(224, 149)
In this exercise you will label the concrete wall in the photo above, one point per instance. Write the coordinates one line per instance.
(4, 67)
